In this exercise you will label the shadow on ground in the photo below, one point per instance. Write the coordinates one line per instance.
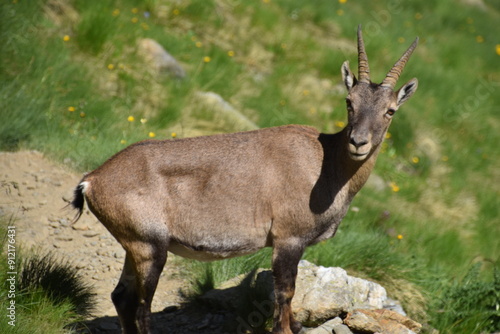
(193, 317)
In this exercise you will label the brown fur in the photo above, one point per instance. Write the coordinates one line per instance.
(226, 195)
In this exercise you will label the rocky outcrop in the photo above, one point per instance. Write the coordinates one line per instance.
(322, 297)
(324, 293)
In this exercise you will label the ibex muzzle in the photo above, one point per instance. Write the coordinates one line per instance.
(221, 196)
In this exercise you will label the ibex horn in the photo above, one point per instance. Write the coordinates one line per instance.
(363, 68)
(392, 77)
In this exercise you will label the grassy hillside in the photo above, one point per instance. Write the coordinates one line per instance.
(73, 85)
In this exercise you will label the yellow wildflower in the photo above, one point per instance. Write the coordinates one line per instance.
(176, 11)
(173, 134)
(388, 135)
(143, 120)
(123, 141)
(135, 10)
(400, 237)
(415, 160)
(479, 39)
(134, 20)
(116, 12)
(198, 44)
(497, 49)
(342, 1)
(207, 59)
(394, 187)
(230, 53)
(131, 118)
(66, 38)
(111, 67)
(82, 114)
(339, 124)
(152, 135)
(71, 109)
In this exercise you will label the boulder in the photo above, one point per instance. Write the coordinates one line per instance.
(324, 293)
(159, 59)
(213, 107)
(381, 321)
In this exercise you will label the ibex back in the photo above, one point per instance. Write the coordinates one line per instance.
(221, 196)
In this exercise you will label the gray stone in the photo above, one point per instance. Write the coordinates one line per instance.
(90, 234)
(222, 112)
(330, 326)
(359, 321)
(324, 293)
(159, 59)
(341, 329)
(394, 305)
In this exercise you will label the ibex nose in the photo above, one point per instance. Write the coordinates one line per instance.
(358, 142)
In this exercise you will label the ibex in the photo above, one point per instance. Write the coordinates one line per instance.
(220, 196)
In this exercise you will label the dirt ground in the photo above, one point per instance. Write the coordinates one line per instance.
(34, 192)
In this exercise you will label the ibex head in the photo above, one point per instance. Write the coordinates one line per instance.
(371, 106)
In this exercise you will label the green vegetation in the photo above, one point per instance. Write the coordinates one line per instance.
(45, 295)
(471, 305)
(73, 86)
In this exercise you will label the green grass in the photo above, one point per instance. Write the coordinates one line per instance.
(470, 305)
(41, 293)
(278, 62)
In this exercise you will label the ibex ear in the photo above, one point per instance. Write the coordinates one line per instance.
(405, 92)
(348, 77)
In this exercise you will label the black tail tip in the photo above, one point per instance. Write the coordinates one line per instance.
(78, 201)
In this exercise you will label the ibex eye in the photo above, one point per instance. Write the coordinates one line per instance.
(390, 112)
(349, 104)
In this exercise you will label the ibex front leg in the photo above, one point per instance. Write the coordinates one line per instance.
(285, 260)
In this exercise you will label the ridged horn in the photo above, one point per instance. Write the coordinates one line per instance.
(392, 77)
(363, 68)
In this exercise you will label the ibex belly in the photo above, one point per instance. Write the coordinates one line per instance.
(218, 239)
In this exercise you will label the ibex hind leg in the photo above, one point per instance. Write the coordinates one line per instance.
(126, 299)
(134, 293)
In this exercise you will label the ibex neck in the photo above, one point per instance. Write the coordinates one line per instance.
(341, 177)
(355, 173)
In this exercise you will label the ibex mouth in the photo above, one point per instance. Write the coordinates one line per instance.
(358, 154)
